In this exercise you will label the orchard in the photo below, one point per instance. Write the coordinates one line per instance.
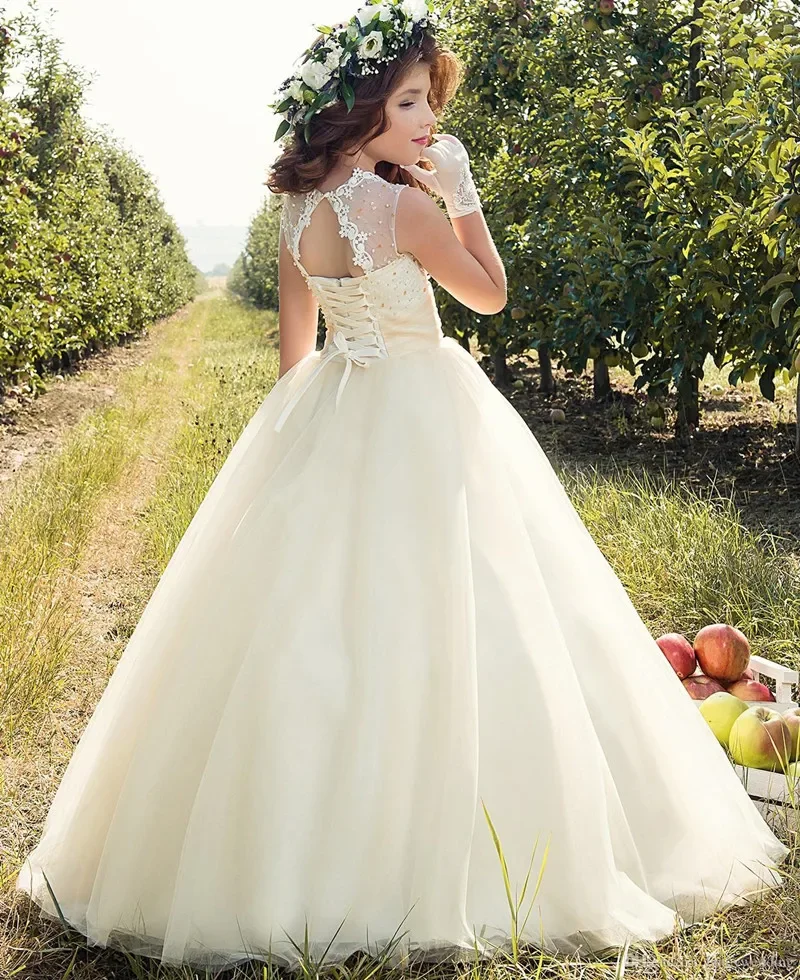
(638, 166)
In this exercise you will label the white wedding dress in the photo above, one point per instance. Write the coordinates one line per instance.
(385, 615)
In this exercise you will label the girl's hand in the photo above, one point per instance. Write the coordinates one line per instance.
(452, 178)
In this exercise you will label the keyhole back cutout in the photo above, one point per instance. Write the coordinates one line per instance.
(323, 250)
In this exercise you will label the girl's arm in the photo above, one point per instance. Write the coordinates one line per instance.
(461, 256)
(298, 312)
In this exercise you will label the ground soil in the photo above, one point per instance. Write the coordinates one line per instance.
(742, 447)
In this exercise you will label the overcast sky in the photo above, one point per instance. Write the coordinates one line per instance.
(184, 86)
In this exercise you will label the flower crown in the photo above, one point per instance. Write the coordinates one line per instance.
(378, 32)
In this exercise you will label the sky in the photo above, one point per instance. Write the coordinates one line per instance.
(183, 85)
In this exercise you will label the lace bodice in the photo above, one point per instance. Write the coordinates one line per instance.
(366, 206)
(387, 310)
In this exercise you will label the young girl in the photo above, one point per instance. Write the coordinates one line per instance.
(386, 633)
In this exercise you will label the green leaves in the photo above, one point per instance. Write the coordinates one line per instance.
(87, 252)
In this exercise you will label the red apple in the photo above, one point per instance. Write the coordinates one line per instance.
(699, 686)
(749, 690)
(680, 653)
(722, 652)
(748, 675)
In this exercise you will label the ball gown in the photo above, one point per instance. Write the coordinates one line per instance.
(385, 627)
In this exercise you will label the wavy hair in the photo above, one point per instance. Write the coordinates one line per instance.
(301, 166)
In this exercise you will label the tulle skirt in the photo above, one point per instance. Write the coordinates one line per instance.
(386, 632)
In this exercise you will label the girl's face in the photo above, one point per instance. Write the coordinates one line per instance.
(409, 118)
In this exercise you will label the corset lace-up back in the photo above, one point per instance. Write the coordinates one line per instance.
(387, 310)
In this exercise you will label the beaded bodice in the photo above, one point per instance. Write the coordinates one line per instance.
(387, 310)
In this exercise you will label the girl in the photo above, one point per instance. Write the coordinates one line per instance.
(386, 634)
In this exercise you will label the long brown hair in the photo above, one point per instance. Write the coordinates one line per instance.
(301, 166)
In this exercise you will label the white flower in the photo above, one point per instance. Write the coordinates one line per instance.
(352, 32)
(415, 9)
(366, 14)
(372, 45)
(295, 90)
(334, 56)
(315, 74)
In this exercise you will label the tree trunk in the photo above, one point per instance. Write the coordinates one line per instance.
(547, 382)
(688, 408)
(797, 420)
(502, 376)
(600, 380)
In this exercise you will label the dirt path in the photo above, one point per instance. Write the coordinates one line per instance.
(32, 427)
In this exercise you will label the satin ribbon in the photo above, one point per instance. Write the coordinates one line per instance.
(356, 350)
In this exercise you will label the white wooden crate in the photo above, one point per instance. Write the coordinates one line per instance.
(770, 788)
(786, 679)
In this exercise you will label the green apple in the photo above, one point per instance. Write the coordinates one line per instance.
(793, 777)
(721, 710)
(760, 738)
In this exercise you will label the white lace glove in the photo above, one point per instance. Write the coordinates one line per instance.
(452, 178)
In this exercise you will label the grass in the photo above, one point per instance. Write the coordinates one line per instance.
(44, 529)
(686, 559)
(238, 365)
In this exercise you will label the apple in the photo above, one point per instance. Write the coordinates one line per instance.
(722, 652)
(700, 687)
(792, 718)
(606, 7)
(680, 653)
(761, 739)
(721, 710)
(749, 690)
(557, 415)
(793, 778)
(748, 675)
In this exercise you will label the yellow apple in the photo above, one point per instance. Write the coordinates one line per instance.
(721, 710)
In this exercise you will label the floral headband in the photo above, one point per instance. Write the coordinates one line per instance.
(378, 32)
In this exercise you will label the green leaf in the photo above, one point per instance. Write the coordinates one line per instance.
(778, 305)
(348, 95)
(283, 128)
(767, 384)
(721, 222)
(778, 280)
